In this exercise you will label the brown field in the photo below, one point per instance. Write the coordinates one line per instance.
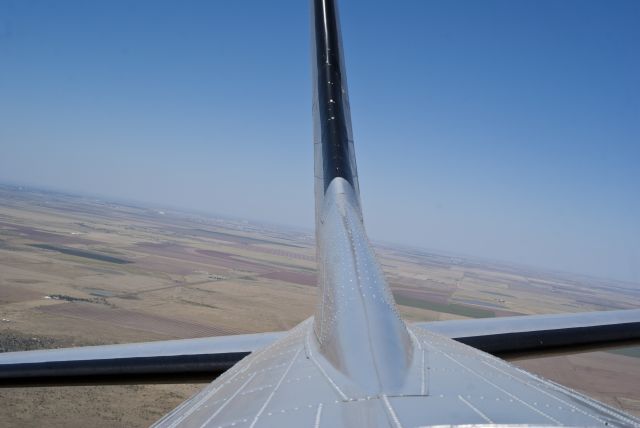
(12, 294)
(117, 273)
(301, 278)
(170, 327)
(610, 378)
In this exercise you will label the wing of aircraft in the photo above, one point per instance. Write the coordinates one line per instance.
(355, 362)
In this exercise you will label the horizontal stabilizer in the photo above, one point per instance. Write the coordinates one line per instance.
(204, 359)
(537, 335)
(170, 361)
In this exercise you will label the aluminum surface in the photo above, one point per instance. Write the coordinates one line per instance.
(206, 345)
(334, 154)
(288, 384)
(172, 361)
(357, 326)
(539, 335)
(520, 324)
(205, 358)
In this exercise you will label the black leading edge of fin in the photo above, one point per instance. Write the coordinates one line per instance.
(333, 114)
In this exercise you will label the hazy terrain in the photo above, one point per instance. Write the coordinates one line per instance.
(76, 271)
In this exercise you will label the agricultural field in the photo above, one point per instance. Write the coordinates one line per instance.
(82, 271)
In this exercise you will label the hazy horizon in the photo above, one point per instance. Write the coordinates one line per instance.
(500, 130)
(160, 206)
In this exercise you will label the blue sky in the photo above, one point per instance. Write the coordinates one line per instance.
(507, 129)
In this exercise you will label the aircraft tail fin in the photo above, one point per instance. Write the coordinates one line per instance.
(357, 326)
(333, 136)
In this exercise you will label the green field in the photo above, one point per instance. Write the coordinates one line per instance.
(449, 308)
(627, 352)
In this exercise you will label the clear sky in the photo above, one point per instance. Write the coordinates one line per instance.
(503, 129)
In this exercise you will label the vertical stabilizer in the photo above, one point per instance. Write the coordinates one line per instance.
(357, 327)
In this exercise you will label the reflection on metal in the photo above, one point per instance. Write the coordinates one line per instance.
(167, 361)
(203, 359)
(334, 154)
(357, 326)
(534, 335)
(288, 384)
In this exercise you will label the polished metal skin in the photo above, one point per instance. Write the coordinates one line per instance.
(356, 363)
(167, 361)
(205, 358)
(289, 384)
(357, 326)
(334, 153)
(529, 323)
(205, 345)
(527, 336)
